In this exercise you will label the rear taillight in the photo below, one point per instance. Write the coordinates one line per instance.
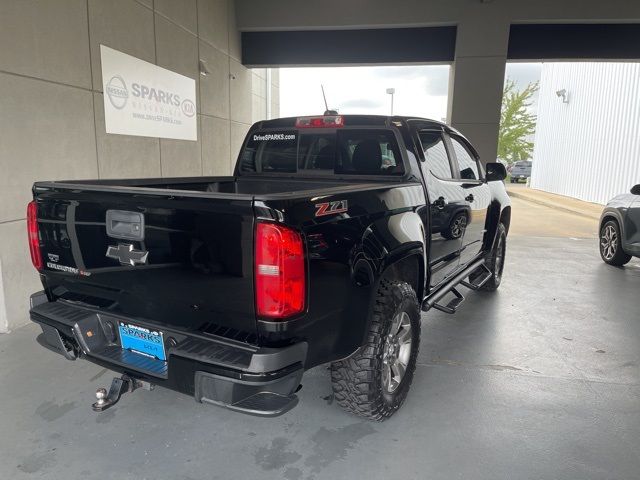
(34, 239)
(280, 271)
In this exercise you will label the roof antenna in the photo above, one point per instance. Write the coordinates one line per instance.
(327, 111)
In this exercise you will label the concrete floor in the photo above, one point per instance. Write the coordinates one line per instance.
(539, 380)
(556, 201)
(535, 220)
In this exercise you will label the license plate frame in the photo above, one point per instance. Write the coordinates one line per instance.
(145, 341)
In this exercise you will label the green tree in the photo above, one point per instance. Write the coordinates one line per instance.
(517, 123)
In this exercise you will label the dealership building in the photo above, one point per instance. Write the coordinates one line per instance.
(53, 119)
(587, 141)
(58, 124)
(539, 379)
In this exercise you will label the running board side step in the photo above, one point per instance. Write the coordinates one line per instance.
(431, 301)
(486, 276)
(453, 305)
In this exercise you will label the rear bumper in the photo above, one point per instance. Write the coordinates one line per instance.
(246, 378)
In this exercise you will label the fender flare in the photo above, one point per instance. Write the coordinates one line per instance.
(385, 243)
(495, 215)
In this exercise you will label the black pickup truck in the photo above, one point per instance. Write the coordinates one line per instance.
(331, 237)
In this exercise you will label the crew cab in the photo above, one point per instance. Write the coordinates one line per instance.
(332, 236)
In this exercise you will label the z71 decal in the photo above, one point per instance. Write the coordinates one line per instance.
(330, 208)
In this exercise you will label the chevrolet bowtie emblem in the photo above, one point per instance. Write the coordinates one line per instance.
(126, 254)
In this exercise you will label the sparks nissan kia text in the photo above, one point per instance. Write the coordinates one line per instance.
(330, 238)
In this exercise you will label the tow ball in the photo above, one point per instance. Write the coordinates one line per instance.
(119, 386)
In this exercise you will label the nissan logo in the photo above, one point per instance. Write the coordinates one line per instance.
(117, 92)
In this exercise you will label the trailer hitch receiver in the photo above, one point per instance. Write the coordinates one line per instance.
(119, 386)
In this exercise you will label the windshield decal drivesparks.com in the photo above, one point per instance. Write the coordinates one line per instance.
(266, 137)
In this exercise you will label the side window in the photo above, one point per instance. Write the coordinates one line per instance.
(435, 154)
(466, 161)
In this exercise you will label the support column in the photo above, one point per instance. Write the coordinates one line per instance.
(476, 82)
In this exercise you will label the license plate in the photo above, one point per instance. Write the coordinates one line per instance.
(521, 176)
(142, 340)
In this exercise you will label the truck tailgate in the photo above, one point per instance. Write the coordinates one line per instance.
(180, 260)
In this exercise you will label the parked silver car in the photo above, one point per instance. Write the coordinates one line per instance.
(620, 228)
(521, 170)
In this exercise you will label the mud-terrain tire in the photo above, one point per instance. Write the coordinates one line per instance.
(369, 383)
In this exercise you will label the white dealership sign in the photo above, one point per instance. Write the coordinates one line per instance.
(146, 100)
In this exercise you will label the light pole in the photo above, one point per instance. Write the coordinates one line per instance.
(391, 91)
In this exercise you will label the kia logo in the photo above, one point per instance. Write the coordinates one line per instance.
(188, 108)
(117, 92)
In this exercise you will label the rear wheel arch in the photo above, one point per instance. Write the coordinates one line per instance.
(408, 269)
(398, 250)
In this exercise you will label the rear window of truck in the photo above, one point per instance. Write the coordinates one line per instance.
(348, 151)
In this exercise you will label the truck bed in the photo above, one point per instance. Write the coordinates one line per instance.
(198, 235)
(223, 187)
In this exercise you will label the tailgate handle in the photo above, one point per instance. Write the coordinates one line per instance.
(126, 225)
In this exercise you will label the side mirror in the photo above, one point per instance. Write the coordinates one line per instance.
(635, 190)
(496, 172)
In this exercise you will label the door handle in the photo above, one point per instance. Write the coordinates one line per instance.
(439, 203)
(469, 198)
